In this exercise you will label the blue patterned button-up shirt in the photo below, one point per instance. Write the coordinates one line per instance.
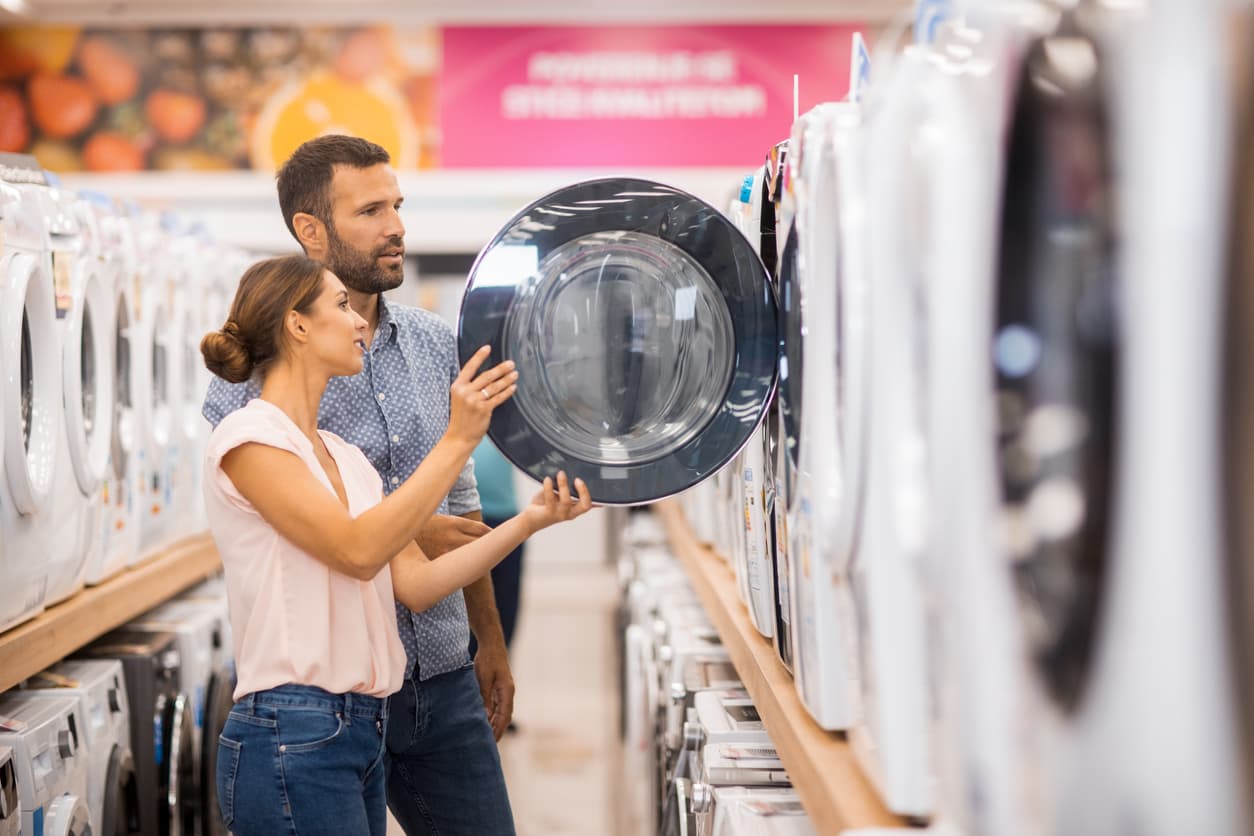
(395, 410)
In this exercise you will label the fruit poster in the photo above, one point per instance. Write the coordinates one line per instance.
(214, 99)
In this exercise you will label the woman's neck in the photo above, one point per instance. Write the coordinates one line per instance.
(298, 392)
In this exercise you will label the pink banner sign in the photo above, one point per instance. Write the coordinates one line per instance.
(569, 97)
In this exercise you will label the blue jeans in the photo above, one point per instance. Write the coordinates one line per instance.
(443, 767)
(299, 760)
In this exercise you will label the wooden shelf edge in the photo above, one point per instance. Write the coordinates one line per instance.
(833, 788)
(59, 631)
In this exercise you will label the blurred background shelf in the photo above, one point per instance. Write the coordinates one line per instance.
(61, 630)
(833, 788)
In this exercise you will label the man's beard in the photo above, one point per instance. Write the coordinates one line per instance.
(360, 271)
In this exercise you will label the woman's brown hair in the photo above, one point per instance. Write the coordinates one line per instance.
(252, 335)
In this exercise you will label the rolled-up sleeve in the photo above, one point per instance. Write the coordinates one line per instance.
(464, 498)
(224, 398)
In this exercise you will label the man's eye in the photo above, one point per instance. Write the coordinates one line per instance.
(371, 211)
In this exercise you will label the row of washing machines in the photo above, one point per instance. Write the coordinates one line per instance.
(697, 759)
(102, 307)
(122, 737)
(985, 522)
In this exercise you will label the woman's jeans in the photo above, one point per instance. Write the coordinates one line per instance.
(299, 760)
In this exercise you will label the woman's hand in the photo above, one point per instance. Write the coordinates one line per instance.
(472, 398)
(548, 507)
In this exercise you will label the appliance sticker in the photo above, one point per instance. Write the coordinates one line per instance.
(62, 281)
(11, 724)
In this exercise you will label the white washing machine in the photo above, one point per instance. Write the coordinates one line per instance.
(30, 394)
(1160, 654)
(158, 351)
(10, 795)
(86, 351)
(758, 811)
(100, 688)
(829, 323)
(51, 756)
(893, 735)
(117, 536)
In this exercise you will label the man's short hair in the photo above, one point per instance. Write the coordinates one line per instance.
(304, 181)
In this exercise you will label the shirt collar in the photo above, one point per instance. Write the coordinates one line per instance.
(387, 325)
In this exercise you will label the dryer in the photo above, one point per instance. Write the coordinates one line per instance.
(50, 755)
(164, 763)
(100, 688)
(10, 796)
(86, 351)
(207, 677)
(30, 392)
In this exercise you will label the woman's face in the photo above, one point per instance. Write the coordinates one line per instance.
(337, 332)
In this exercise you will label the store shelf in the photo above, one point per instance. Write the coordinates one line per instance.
(833, 788)
(63, 629)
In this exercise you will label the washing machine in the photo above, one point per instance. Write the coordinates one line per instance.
(118, 533)
(100, 688)
(207, 677)
(165, 766)
(31, 396)
(732, 765)
(10, 795)
(643, 326)
(892, 736)
(827, 275)
(758, 811)
(1158, 650)
(158, 352)
(50, 755)
(83, 293)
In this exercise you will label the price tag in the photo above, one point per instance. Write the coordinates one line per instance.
(12, 724)
(62, 281)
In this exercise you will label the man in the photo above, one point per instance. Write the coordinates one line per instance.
(340, 199)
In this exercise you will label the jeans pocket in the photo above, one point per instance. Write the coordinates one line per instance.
(306, 729)
(228, 769)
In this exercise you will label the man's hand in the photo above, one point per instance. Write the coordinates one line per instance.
(496, 685)
(442, 534)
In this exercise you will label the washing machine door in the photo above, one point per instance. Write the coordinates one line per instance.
(10, 806)
(1054, 354)
(87, 374)
(31, 380)
(643, 327)
(121, 797)
(178, 770)
(68, 816)
(218, 704)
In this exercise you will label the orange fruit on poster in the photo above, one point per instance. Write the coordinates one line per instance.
(62, 106)
(112, 152)
(327, 104)
(111, 72)
(29, 49)
(14, 124)
(176, 117)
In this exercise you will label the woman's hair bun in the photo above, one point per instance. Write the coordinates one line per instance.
(226, 355)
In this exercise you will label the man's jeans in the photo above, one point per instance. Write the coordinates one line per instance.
(299, 761)
(443, 769)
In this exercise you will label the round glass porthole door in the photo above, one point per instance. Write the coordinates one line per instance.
(88, 387)
(643, 327)
(123, 436)
(1054, 354)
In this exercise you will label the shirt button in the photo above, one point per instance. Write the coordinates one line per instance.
(396, 480)
(381, 396)
(396, 439)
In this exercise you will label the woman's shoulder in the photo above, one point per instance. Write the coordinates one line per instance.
(257, 421)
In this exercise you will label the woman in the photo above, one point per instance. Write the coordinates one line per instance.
(305, 535)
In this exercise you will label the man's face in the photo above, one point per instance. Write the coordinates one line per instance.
(365, 238)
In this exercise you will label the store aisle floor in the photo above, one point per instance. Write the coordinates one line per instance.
(560, 764)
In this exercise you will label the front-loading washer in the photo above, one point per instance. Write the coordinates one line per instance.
(10, 795)
(30, 392)
(51, 758)
(758, 811)
(644, 328)
(892, 735)
(207, 678)
(159, 347)
(1159, 650)
(100, 688)
(82, 304)
(826, 323)
(162, 729)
